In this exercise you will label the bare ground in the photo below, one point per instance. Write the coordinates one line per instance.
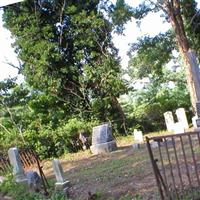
(125, 171)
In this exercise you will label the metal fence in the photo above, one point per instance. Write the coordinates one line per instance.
(30, 160)
(176, 164)
(4, 164)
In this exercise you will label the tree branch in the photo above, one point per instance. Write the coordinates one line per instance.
(14, 66)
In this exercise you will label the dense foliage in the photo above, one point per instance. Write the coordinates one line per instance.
(73, 78)
(66, 47)
(71, 69)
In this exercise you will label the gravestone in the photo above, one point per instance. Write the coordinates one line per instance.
(198, 122)
(198, 109)
(61, 183)
(180, 113)
(194, 123)
(154, 144)
(138, 136)
(84, 140)
(169, 120)
(178, 128)
(102, 140)
(34, 181)
(18, 170)
(136, 146)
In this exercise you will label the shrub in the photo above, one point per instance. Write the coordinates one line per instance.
(19, 192)
(50, 142)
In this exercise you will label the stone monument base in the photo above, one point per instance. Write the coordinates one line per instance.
(104, 147)
(62, 186)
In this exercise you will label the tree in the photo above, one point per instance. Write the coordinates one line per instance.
(173, 10)
(164, 89)
(149, 55)
(14, 115)
(67, 52)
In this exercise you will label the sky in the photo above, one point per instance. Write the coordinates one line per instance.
(7, 2)
(151, 25)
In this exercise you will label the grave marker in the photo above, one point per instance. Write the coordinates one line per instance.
(169, 120)
(102, 140)
(180, 113)
(61, 184)
(18, 170)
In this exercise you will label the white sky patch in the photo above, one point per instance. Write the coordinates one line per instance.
(7, 53)
(8, 2)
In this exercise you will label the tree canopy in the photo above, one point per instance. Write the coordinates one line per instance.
(73, 76)
(67, 52)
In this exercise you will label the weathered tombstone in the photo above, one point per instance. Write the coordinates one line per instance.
(34, 181)
(169, 120)
(61, 183)
(198, 109)
(138, 136)
(102, 140)
(178, 128)
(154, 144)
(198, 122)
(84, 140)
(136, 146)
(18, 170)
(180, 113)
(194, 123)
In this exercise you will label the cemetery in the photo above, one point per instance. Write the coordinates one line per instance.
(97, 174)
(92, 113)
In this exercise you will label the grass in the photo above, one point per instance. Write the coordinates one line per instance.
(19, 192)
(121, 174)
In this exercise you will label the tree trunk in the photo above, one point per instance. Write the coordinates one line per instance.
(117, 105)
(191, 66)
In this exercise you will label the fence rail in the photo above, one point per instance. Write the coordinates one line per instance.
(176, 164)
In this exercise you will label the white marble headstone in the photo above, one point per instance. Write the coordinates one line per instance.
(138, 136)
(194, 123)
(180, 112)
(62, 184)
(169, 120)
(178, 128)
(58, 171)
(15, 161)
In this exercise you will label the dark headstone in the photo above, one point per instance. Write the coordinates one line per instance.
(102, 139)
(34, 181)
(198, 122)
(102, 134)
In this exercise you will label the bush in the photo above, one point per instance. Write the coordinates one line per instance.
(50, 142)
(8, 140)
